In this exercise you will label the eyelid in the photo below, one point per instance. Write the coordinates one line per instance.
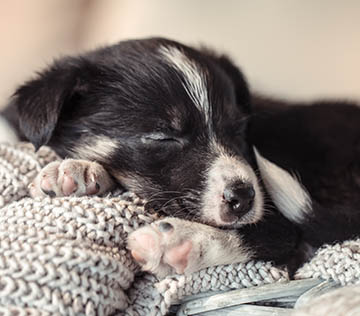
(159, 136)
(154, 136)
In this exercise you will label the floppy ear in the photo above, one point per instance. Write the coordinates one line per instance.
(241, 87)
(39, 102)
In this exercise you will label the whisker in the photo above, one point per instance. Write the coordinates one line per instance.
(163, 193)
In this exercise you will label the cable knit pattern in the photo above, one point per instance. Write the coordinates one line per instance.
(67, 256)
(146, 301)
(339, 262)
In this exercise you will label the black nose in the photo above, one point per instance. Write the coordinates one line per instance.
(239, 197)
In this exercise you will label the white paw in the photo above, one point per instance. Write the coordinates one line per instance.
(173, 245)
(71, 177)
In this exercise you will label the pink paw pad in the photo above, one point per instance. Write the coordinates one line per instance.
(45, 183)
(177, 257)
(155, 243)
(146, 243)
(71, 178)
(69, 185)
(46, 186)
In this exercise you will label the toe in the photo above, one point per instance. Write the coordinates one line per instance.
(92, 186)
(177, 257)
(46, 186)
(144, 245)
(69, 185)
(45, 183)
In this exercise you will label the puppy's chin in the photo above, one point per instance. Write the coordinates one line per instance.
(230, 221)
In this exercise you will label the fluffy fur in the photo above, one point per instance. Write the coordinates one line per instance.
(179, 126)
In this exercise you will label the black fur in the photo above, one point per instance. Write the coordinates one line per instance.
(129, 94)
(322, 145)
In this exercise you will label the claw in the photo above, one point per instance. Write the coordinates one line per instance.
(50, 193)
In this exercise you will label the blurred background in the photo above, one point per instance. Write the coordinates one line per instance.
(296, 49)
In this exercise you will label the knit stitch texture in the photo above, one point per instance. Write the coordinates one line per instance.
(68, 256)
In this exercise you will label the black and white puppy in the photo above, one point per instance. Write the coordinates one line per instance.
(179, 127)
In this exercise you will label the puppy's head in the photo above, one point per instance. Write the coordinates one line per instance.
(167, 121)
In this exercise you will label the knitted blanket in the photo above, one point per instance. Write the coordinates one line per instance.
(68, 256)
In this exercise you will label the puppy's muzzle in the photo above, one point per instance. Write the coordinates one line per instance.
(238, 198)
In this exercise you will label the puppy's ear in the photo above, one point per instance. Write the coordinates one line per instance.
(40, 101)
(242, 92)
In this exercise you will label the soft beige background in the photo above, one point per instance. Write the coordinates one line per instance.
(298, 49)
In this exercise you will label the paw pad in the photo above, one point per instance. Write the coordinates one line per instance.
(165, 227)
(71, 177)
(161, 248)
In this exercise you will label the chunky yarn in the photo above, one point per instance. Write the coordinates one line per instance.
(68, 256)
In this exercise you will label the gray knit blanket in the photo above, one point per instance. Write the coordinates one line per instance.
(68, 256)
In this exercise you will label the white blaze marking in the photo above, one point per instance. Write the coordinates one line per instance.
(195, 81)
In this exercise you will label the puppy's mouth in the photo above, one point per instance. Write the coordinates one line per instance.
(230, 195)
(235, 208)
(234, 211)
(238, 205)
(177, 204)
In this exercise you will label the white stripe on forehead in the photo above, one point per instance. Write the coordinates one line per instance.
(195, 81)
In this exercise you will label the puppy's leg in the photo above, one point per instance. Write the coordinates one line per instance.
(174, 245)
(71, 177)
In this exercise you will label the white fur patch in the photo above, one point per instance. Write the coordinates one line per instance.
(209, 246)
(286, 191)
(95, 148)
(194, 79)
(223, 171)
(7, 134)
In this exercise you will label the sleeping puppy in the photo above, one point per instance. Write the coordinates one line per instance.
(179, 127)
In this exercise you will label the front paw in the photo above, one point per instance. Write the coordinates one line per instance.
(173, 245)
(71, 177)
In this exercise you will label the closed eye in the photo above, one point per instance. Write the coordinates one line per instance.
(159, 138)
